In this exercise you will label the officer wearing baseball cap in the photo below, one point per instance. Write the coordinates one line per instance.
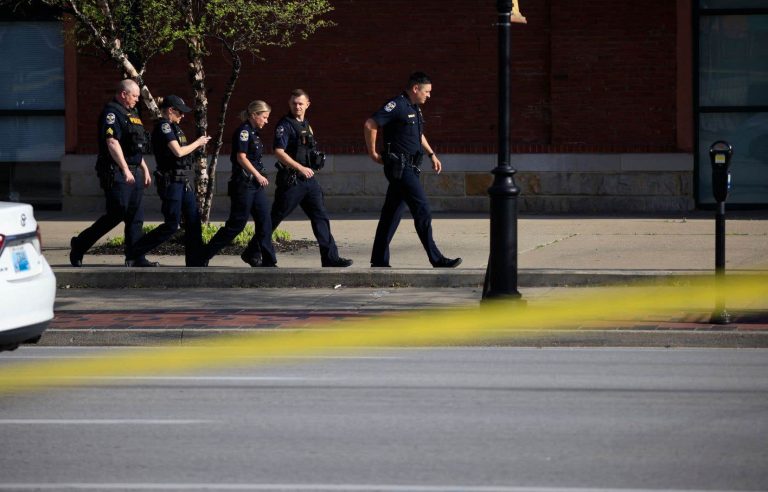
(175, 180)
(175, 102)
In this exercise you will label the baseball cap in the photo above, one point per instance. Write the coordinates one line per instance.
(175, 102)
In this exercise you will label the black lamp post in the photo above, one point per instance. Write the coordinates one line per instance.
(501, 275)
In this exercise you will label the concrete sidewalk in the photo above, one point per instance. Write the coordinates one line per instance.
(552, 251)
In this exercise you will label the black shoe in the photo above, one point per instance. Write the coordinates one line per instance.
(254, 262)
(380, 265)
(75, 257)
(447, 263)
(141, 263)
(338, 262)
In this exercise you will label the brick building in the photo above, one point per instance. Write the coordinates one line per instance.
(613, 101)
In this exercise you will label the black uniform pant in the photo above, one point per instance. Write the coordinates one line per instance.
(178, 201)
(308, 194)
(401, 192)
(124, 204)
(247, 198)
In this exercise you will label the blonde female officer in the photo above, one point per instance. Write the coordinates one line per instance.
(247, 191)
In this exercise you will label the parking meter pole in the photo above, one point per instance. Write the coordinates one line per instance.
(720, 154)
(720, 238)
(720, 315)
(501, 275)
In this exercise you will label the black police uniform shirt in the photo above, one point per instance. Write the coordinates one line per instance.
(246, 140)
(164, 133)
(113, 124)
(403, 125)
(287, 139)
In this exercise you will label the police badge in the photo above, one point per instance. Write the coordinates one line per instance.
(390, 106)
(110, 118)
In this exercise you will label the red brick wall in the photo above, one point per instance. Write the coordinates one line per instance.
(592, 76)
(614, 73)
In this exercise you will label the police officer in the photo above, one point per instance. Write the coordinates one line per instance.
(401, 153)
(247, 191)
(298, 159)
(123, 175)
(174, 179)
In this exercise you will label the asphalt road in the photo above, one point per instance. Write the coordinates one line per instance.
(454, 419)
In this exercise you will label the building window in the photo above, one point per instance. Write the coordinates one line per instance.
(31, 112)
(732, 96)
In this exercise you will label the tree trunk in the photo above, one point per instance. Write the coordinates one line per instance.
(228, 90)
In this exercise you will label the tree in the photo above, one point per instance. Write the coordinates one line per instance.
(131, 32)
(240, 26)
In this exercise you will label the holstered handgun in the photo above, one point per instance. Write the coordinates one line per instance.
(394, 165)
(105, 173)
(417, 160)
(285, 176)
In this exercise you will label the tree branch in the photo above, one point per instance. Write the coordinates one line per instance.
(229, 89)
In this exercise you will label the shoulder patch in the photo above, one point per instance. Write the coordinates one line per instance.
(279, 131)
(165, 128)
(390, 106)
(110, 118)
(244, 135)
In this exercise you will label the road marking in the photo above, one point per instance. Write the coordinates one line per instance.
(219, 379)
(200, 378)
(102, 422)
(96, 355)
(318, 487)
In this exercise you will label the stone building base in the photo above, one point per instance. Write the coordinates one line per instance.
(549, 183)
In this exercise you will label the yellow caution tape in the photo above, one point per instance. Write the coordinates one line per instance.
(493, 320)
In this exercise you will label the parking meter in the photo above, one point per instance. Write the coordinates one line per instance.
(720, 154)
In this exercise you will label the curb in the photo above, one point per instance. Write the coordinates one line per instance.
(562, 338)
(224, 277)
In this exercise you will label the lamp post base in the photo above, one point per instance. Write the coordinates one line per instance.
(505, 293)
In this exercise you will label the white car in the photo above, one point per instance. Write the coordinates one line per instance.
(27, 284)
